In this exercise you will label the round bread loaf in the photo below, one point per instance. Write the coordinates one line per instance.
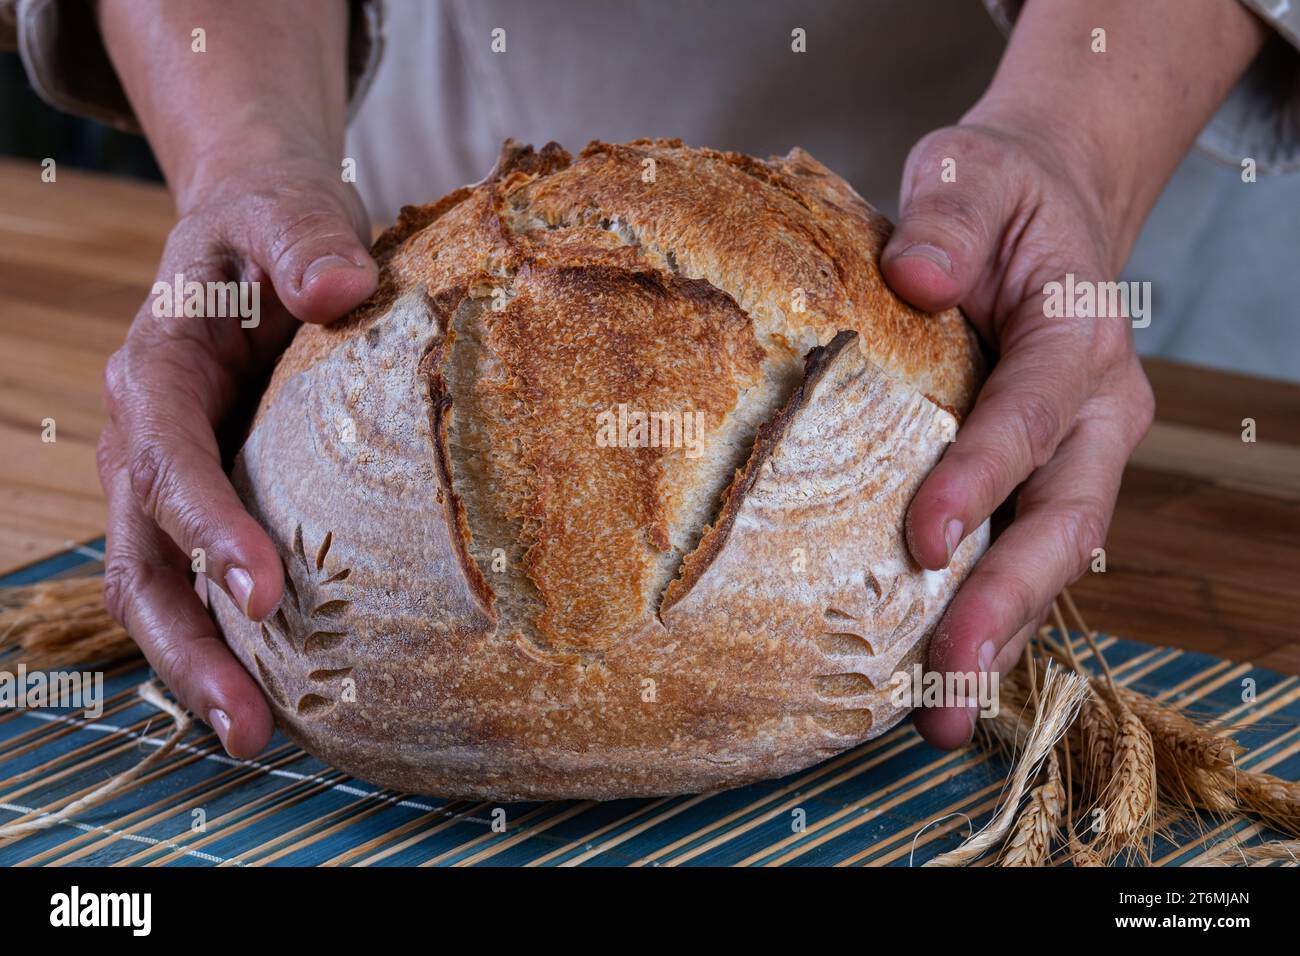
(602, 493)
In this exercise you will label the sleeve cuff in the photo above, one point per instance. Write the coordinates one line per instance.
(68, 66)
(1260, 118)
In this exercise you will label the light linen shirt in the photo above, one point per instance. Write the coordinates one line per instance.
(1222, 255)
(449, 81)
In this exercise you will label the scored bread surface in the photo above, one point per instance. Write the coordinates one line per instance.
(483, 600)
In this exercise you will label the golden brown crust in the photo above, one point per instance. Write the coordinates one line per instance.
(498, 588)
(574, 341)
(770, 234)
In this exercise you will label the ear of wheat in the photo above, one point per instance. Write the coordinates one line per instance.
(1272, 799)
(1097, 732)
(1131, 757)
(1231, 852)
(1129, 801)
(1177, 738)
(1061, 695)
(1030, 842)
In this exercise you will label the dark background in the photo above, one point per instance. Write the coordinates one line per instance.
(30, 129)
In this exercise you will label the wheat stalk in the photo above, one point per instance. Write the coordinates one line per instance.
(60, 623)
(1272, 799)
(1129, 801)
(1030, 843)
(1061, 694)
(1097, 732)
(1178, 737)
(1229, 852)
(110, 788)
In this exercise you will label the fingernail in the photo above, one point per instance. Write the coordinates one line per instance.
(219, 720)
(934, 254)
(952, 535)
(325, 264)
(240, 583)
(987, 653)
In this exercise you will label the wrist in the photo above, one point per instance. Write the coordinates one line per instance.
(240, 153)
(273, 85)
(1120, 119)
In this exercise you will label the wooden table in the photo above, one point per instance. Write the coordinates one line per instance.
(1204, 549)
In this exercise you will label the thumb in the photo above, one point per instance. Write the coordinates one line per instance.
(949, 223)
(309, 247)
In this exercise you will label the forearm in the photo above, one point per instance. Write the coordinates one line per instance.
(272, 82)
(1125, 117)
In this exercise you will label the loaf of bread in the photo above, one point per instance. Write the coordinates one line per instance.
(602, 493)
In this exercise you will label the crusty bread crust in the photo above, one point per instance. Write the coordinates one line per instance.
(483, 600)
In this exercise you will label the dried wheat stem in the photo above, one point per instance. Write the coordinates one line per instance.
(112, 787)
(60, 623)
(1062, 693)
(1031, 668)
(1181, 738)
(1274, 800)
(1229, 852)
(1074, 611)
(1065, 640)
(1090, 637)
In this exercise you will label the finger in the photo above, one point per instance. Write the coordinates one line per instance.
(147, 589)
(314, 254)
(161, 406)
(1062, 515)
(952, 727)
(953, 205)
(1019, 419)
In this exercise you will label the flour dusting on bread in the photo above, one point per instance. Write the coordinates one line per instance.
(713, 590)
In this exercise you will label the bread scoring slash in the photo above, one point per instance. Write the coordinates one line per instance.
(483, 600)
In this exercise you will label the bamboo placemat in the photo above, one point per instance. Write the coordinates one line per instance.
(871, 806)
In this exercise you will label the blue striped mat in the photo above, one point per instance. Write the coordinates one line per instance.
(875, 805)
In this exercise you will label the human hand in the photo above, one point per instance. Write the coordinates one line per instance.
(1057, 167)
(1063, 408)
(294, 227)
